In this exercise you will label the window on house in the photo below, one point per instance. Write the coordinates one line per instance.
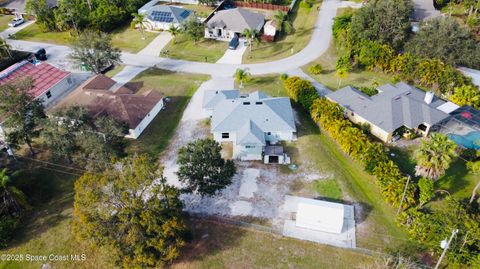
(49, 94)
(246, 103)
(225, 135)
(269, 133)
(249, 147)
(258, 103)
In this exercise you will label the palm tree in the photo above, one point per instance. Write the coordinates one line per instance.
(434, 156)
(474, 168)
(282, 23)
(242, 76)
(342, 73)
(4, 49)
(174, 31)
(252, 36)
(13, 201)
(138, 20)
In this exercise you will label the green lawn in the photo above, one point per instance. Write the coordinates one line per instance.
(47, 228)
(303, 22)
(205, 50)
(115, 70)
(4, 19)
(457, 179)
(124, 38)
(222, 246)
(34, 33)
(130, 40)
(328, 188)
(179, 88)
(318, 153)
(356, 77)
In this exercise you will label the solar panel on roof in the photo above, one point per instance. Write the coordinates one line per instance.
(184, 14)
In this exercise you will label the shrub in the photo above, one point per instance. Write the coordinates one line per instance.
(7, 227)
(283, 77)
(301, 91)
(316, 69)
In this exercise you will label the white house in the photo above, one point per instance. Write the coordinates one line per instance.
(225, 24)
(99, 96)
(252, 122)
(162, 17)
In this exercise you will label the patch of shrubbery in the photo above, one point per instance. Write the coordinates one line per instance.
(315, 69)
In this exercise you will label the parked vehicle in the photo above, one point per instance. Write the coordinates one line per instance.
(41, 55)
(16, 22)
(233, 43)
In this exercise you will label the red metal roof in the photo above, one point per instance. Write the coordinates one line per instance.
(44, 75)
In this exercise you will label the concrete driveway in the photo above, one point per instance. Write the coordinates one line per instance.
(13, 30)
(157, 44)
(234, 56)
(424, 10)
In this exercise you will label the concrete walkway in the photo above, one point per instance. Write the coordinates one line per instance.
(234, 56)
(127, 74)
(156, 46)
(424, 10)
(322, 90)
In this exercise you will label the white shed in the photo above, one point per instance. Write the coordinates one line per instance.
(320, 215)
(270, 29)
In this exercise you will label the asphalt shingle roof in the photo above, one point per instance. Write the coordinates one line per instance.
(269, 114)
(392, 108)
(237, 20)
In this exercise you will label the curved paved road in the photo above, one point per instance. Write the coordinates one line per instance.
(318, 44)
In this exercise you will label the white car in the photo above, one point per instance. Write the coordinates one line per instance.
(16, 22)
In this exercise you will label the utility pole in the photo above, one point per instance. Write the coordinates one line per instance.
(403, 196)
(454, 232)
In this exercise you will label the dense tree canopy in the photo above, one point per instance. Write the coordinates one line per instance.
(95, 50)
(131, 209)
(72, 134)
(202, 168)
(443, 38)
(385, 21)
(23, 113)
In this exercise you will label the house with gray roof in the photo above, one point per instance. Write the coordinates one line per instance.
(254, 123)
(394, 107)
(159, 16)
(225, 24)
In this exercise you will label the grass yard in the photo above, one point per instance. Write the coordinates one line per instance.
(130, 40)
(303, 20)
(179, 88)
(457, 179)
(357, 78)
(318, 153)
(222, 246)
(47, 230)
(117, 69)
(205, 50)
(4, 19)
(34, 33)
(124, 38)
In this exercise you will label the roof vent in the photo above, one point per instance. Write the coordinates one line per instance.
(397, 97)
(216, 92)
(246, 103)
(259, 103)
(428, 97)
(408, 93)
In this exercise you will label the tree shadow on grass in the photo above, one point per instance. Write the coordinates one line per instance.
(209, 238)
(51, 196)
(454, 180)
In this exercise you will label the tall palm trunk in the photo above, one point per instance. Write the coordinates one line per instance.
(474, 192)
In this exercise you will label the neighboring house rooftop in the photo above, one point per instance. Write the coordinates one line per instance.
(165, 13)
(43, 74)
(123, 105)
(19, 5)
(252, 115)
(393, 107)
(236, 20)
